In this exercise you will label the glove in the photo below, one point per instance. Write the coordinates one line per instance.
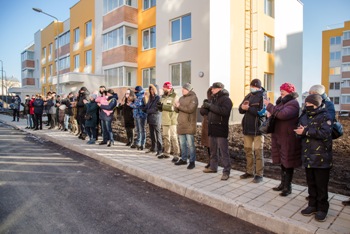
(160, 106)
(206, 105)
(205, 100)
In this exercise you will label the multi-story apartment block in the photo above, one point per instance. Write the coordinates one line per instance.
(122, 44)
(336, 66)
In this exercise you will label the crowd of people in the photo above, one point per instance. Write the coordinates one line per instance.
(301, 137)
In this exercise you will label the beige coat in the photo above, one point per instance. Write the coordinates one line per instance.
(187, 118)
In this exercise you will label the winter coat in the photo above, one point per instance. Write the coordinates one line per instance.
(110, 106)
(16, 104)
(68, 110)
(31, 106)
(38, 106)
(50, 106)
(329, 106)
(91, 109)
(251, 120)
(286, 146)
(187, 117)
(26, 109)
(169, 116)
(218, 114)
(153, 114)
(81, 109)
(128, 115)
(204, 133)
(316, 138)
(138, 105)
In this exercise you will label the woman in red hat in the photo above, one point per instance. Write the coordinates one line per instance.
(286, 147)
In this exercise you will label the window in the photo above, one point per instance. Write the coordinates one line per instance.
(63, 39)
(268, 7)
(268, 44)
(268, 82)
(335, 40)
(336, 100)
(43, 52)
(76, 62)
(334, 85)
(346, 51)
(148, 4)
(76, 35)
(346, 35)
(44, 75)
(335, 55)
(181, 28)
(149, 38)
(113, 38)
(181, 73)
(51, 70)
(334, 71)
(148, 77)
(345, 99)
(50, 49)
(27, 55)
(88, 29)
(64, 63)
(346, 83)
(110, 5)
(115, 77)
(88, 58)
(346, 67)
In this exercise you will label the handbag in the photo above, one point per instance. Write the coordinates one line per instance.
(87, 116)
(337, 130)
(268, 126)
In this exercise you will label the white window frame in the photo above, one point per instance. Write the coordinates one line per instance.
(147, 4)
(76, 62)
(335, 40)
(335, 56)
(346, 35)
(148, 76)
(269, 7)
(76, 35)
(180, 19)
(268, 44)
(334, 71)
(113, 39)
(346, 51)
(182, 79)
(148, 39)
(345, 67)
(88, 29)
(268, 82)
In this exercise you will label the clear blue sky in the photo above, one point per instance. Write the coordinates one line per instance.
(18, 23)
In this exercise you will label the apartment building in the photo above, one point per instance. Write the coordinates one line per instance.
(336, 66)
(122, 44)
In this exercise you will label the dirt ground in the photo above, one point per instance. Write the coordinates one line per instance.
(340, 173)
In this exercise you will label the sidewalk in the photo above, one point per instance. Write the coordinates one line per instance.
(254, 203)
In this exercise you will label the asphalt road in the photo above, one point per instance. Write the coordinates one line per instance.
(45, 188)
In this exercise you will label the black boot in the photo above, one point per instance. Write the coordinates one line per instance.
(287, 189)
(283, 178)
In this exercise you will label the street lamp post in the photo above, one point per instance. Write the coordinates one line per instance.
(58, 46)
(2, 80)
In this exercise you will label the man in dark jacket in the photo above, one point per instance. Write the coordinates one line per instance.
(253, 139)
(81, 110)
(26, 112)
(218, 111)
(38, 112)
(16, 107)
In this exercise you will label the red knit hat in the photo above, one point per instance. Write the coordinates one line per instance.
(288, 87)
(167, 85)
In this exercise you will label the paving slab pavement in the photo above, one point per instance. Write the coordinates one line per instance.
(254, 203)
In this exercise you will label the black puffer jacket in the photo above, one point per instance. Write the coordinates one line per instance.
(81, 109)
(251, 120)
(218, 114)
(316, 138)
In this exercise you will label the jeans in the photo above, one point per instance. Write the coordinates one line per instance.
(15, 114)
(66, 121)
(219, 146)
(141, 132)
(156, 138)
(107, 130)
(187, 147)
(29, 120)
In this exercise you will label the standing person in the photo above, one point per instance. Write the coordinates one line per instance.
(204, 132)
(16, 107)
(315, 129)
(169, 122)
(329, 105)
(285, 148)
(187, 124)
(153, 120)
(218, 111)
(103, 101)
(91, 118)
(250, 107)
(50, 110)
(26, 112)
(38, 111)
(106, 116)
(47, 105)
(81, 110)
(31, 111)
(140, 117)
(68, 113)
(128, 116)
